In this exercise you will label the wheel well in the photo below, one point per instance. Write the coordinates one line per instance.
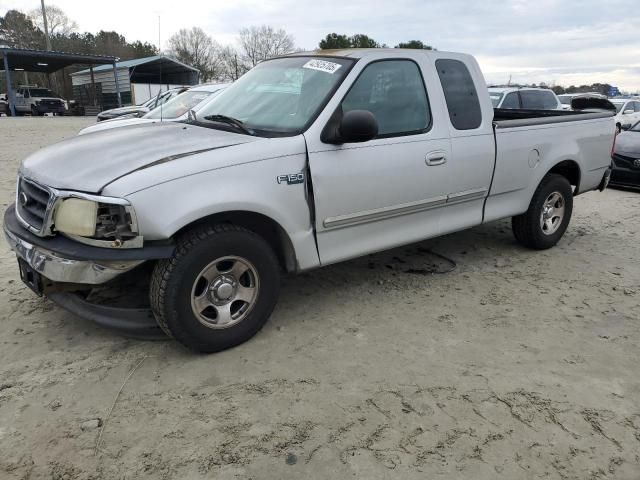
(266, 227)
(569, 170)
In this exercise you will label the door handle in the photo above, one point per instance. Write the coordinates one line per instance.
(436, 158)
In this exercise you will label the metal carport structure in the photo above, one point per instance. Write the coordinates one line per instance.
(45, 61)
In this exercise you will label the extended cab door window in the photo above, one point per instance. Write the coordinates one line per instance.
(393, 90)
(460, 94)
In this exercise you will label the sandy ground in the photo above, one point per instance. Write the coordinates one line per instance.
(517, 364)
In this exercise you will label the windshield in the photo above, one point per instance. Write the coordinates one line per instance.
(565, 99)
(635, 128)
(281, 96)
(495, 98)
(149, 103)
(42, 92)
(178, 106)
(619, 106)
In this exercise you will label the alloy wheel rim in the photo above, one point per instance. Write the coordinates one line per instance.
(225, 292)
(552, 213)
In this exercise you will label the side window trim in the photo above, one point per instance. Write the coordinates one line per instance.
(424, 85)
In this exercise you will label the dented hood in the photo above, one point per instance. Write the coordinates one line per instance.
(90, 162)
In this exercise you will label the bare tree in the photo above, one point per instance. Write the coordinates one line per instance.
(259, 43)
(232, 64)
(194, 47)
(58, 21)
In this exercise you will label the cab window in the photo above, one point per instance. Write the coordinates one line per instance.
(393, 90)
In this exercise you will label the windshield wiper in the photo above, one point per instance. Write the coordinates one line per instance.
(234, 122)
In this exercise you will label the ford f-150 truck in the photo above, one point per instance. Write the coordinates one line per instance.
(306, 160)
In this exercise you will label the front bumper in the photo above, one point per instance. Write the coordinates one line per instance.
(50, 108)
(60, 259)
(625, 177)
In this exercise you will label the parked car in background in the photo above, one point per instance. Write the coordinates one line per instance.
(525, 98)
(626, 158)
(628, 112)
(174, 110)
(307, 160)
(38, 100)
(566, 98)
(4, 104)
(142, 109)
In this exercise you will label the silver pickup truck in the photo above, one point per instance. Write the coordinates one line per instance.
(307, 160)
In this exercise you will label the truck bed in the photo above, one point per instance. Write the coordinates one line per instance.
(505, 118)
(530, 142)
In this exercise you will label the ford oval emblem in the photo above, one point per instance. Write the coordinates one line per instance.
(24, 200)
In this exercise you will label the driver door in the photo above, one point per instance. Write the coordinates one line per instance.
(388, 191)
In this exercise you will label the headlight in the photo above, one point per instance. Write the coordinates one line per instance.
(104, 224)
(76, 216)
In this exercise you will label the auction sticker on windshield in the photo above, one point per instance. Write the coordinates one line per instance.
(322, 66)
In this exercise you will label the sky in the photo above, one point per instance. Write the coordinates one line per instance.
(559, 42)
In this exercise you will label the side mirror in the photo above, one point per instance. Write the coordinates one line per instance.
(628, 112)
(354, 126)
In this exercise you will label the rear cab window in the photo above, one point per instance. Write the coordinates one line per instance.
(460, 94)
(511, 101)
(538, 100)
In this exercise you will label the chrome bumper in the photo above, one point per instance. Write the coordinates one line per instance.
(59, 269)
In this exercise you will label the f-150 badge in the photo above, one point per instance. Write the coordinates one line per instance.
(291, 179)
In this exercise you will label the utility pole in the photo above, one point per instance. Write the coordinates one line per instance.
(48, 40)
(46, 25)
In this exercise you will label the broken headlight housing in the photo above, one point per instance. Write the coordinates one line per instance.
(99, 221)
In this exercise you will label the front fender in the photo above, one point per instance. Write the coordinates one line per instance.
(168, 207)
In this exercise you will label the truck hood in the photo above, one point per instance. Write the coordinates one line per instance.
(124, 110)
(628, 143)
(90, 162)
(116, 123)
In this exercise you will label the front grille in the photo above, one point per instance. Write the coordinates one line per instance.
(624, 161)
(32, 202)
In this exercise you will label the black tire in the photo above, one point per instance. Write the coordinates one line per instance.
(528, 228)
(174, 281)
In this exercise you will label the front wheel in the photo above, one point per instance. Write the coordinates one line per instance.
(217, 290)
(548, 216)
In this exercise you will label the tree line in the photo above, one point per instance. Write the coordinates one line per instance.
(192, 46)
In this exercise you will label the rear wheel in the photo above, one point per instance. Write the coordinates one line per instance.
(548, 216)
(218, 289)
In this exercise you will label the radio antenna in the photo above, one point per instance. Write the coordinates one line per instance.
(160, 53)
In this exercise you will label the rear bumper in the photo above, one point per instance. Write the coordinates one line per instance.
(60, 259)
(606, 178)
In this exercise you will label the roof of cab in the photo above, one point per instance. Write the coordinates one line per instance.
(358, 52)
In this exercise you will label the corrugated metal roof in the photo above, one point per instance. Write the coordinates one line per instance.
(48, 61)
(136, 62)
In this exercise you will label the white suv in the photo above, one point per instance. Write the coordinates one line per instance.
(37, 101)
(516, 98)
(628, 112)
